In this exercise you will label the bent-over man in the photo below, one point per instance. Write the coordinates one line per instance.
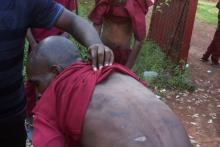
(107, 108)
(16, 16)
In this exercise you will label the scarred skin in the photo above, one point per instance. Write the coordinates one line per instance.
(126, 114)
(122, 111)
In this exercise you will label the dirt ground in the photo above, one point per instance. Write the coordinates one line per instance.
(199, 111)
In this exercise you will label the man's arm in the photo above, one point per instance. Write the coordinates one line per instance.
(98, 28)
(88, 36)
(134, 53)
(31, 38)
(65, 34)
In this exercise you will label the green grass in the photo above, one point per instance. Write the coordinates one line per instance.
(169, 75)
(207, 12)
(85, 6)
(25, 60)
(150, 58)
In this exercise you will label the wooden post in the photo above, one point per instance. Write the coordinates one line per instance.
(172, 28)
(188, 32)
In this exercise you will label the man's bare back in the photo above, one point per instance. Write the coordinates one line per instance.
(123, 113)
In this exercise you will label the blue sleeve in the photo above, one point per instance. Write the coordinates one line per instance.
(45, 13)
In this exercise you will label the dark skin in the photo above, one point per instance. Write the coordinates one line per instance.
(83, 32)
(120, 114)
(122, 36)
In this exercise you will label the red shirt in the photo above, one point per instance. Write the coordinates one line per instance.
(59, 114)
(40, 34)
(134, 10)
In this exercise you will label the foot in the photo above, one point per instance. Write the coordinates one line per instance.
(204, 60)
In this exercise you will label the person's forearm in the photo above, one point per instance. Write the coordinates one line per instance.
(82, 31)
(134, 53)
(98, 28)
(31, 38)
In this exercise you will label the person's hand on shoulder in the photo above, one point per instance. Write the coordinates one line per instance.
(101, 55)
(86, 34)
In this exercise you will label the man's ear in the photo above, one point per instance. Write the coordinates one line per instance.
(56, 69)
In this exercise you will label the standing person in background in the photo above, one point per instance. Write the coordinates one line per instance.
(34, 36)
(214, 47)
(116, 21)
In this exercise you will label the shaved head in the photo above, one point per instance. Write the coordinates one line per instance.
(55, 50)
(49, 58)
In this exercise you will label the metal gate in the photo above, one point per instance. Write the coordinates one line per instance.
(172, 28)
